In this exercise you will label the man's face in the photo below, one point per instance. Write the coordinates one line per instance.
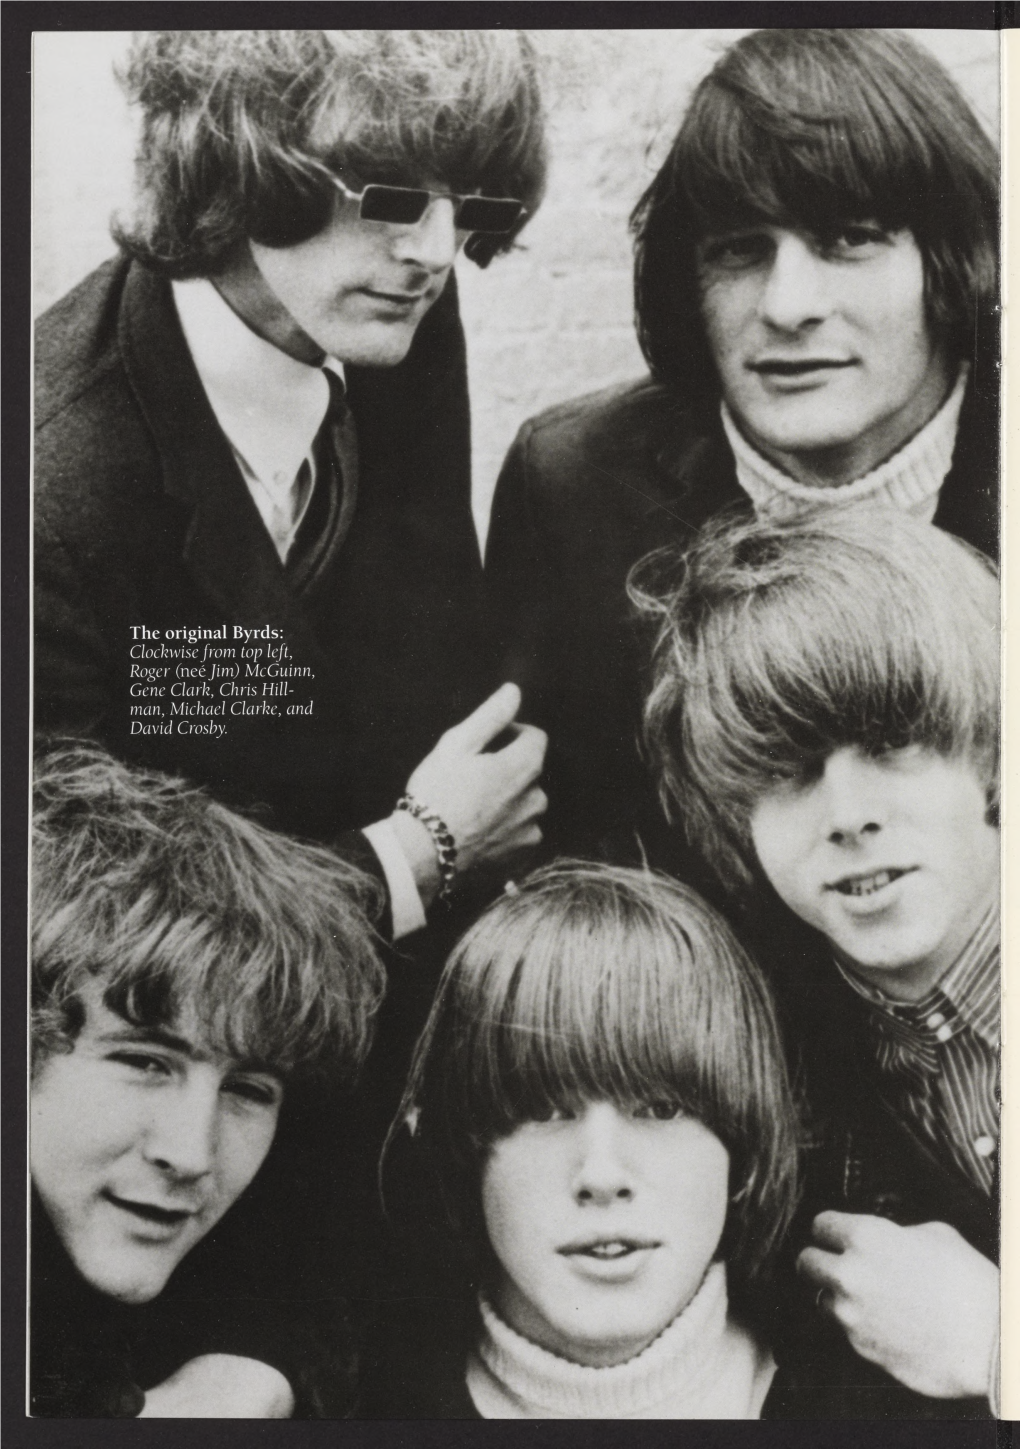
(823, 349)
(892, 858)
(604, 1223)
(359, 289)
(140, 1141)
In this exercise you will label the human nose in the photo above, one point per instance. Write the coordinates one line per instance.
(601, 1173)
(795, 292)
(851, 802)
(431, 242)
(184, 1130)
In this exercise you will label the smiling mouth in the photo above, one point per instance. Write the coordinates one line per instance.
(868, 885)
(607, 1249)
(149, 1212)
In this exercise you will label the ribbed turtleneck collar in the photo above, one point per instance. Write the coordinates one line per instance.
(702, 1366)
(910, 480)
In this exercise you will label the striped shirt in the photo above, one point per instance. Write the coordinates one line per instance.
(938, 1058)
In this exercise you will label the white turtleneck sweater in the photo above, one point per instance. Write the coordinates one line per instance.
(910, 480)
(702, 1366)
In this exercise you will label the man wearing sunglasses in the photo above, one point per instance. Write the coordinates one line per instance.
(255, 562)
(256, 419)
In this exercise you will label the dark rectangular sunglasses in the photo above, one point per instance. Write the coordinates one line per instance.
(405, 205)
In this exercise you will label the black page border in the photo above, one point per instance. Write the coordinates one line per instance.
(19, 19)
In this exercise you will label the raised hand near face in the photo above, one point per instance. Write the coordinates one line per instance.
(489, 799)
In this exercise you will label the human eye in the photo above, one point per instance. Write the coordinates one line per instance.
(661, 1111)
(800, 774)
(899, 757)
(557, 1114)
(257, 1089)
(144, 1063)
(857, 240)
(785, 784)
(733, 251)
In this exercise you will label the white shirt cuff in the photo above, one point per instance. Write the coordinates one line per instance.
(405, 902)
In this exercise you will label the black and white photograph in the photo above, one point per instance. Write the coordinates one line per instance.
(515, 860)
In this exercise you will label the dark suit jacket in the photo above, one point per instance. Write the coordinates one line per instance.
(859, 1158)
(142, 518)
(93, 1357)
(587, 489)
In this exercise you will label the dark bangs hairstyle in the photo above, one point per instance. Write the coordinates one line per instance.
(183, 911)
(595, 983)
(780, 644)
(812, 130)
(243, 129)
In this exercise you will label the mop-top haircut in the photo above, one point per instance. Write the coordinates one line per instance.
(183, 910)
(780, 644)
(812, 130)
(599, 983)
(242, 131)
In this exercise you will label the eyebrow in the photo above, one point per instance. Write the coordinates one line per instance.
(157, 1035)
(160, 1036)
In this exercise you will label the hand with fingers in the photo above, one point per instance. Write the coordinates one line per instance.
(919, 1301)
(489, 800)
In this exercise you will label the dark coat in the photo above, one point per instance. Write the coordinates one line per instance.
(859, 1158)
(142, 518)
(414, 1365)
(588, 489)
(93, 1357)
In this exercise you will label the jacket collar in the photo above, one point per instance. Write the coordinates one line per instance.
(227, 548)
(695, 471)
(695, 465)
(969, 500)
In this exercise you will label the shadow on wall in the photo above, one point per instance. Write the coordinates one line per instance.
(548, 322)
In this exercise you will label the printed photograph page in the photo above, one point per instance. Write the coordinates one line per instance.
(516, 708)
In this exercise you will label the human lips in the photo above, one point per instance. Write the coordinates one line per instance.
(863, 885)
(797, 367)
(150, 1214)
(607, 1249)
(867, 899)
(405, 301)
(610, 1260)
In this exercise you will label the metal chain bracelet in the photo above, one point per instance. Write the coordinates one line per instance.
(442, 840)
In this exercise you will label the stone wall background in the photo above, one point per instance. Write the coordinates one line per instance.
(548, 322)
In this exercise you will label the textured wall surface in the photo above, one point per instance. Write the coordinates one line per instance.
(549, 321)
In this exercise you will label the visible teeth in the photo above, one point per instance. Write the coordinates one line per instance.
(609, 1250)
(867, 885)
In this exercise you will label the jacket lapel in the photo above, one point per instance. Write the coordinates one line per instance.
(969, 499)
(227, 550)
(695, 469)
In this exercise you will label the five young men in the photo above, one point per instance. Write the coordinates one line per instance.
(257, 415)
